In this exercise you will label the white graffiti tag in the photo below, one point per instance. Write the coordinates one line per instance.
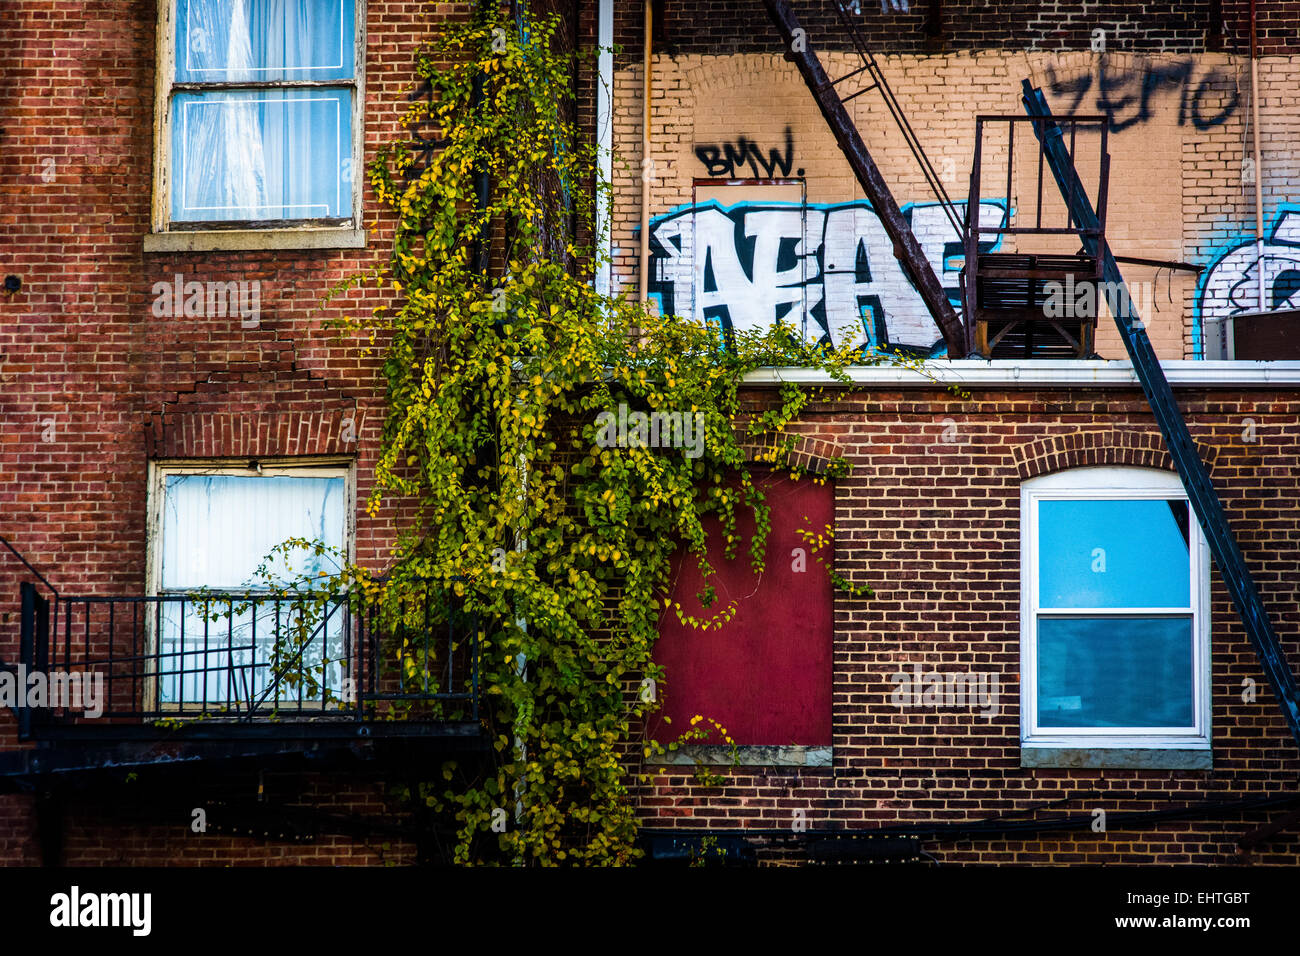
(1232, 285)
(827, 270)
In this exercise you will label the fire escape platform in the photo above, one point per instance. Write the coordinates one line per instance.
(202, 682)
(109, 751)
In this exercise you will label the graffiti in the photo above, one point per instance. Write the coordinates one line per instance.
(826, 269)
(722, 160)
(1126, 96)
(886, 6)
(1230, 285)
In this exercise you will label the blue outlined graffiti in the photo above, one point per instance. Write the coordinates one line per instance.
(821, 267)
(1230, 284)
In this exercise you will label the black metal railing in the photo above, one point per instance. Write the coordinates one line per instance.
(240, 658)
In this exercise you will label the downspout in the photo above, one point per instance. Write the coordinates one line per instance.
(604, 141)
(647, 168)
(1259, 159)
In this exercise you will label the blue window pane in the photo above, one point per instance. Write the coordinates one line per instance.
(239, 40)
(1115, 672)
(1113, 554)
(262, 154)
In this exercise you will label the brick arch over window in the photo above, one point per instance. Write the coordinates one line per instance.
(1142, 449)
(814, 454)
(256, 420)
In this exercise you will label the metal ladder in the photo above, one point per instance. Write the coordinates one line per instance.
(825, 90)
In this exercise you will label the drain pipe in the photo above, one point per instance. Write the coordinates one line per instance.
(1259, 159)
(604, 141)
(647, 167)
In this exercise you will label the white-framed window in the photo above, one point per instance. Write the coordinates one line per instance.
(258, 121)
(1115, 644)
(212, 527)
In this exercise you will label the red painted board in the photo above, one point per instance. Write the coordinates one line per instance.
(766, 675)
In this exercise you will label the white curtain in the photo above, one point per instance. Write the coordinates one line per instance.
(216, 531)
(262, 153)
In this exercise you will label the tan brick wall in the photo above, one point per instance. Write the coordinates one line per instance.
(1178, 123)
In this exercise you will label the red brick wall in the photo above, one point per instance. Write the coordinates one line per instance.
(933, 532)
(933, 526)
(79, 345)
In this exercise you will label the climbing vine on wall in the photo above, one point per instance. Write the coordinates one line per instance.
(528, 515)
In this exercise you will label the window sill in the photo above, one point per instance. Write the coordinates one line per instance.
(1118, 758)
(747, 756)
(236, 240)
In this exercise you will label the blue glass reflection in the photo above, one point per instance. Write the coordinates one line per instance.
(1115, 672)
(1113, 554)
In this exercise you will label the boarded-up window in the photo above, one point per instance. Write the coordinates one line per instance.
(766, 675)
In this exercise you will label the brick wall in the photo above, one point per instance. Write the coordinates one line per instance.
(717, 27)
(92, 383)
(933, 525)
(1180, 143)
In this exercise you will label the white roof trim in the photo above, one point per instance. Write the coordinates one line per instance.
(1058, 372)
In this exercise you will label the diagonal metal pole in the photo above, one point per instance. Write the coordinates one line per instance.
(1196, 480)
(906, 248)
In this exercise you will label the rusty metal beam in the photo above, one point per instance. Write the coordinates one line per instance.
(906, 248)
(1268, 831)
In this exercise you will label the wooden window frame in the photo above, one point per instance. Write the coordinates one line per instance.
(168, 236)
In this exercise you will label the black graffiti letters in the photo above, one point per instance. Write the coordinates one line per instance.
(1126, 94)
(723, 160)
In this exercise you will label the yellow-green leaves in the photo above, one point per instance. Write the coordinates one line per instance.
(511, 492)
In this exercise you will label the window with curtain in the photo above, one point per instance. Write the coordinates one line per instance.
(261, 110)
(216, 531)
(1115, 645)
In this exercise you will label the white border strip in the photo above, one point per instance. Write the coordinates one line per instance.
(1065, 372)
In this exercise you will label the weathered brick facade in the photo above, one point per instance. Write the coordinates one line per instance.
(81, 348)
(933, 523)
(1179, 115)
(94, 385)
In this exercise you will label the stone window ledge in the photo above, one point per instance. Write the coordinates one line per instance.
(1117, 758)
(747, 756)
(236, 240)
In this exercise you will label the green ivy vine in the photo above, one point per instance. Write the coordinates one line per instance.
(516, 515)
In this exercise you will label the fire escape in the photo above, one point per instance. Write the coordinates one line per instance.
(176, 681)
(1005, 295)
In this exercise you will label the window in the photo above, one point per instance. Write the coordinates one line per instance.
(259, 118)
(213, 528)
(1114, 620)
